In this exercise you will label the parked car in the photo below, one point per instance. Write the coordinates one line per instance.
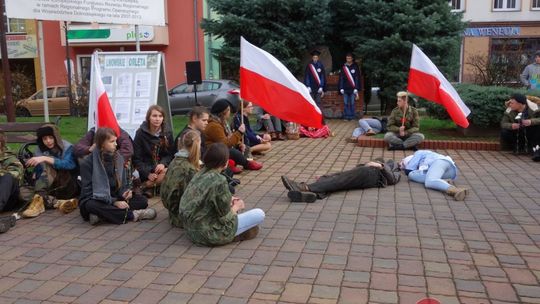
(182, 96)
(33, 106)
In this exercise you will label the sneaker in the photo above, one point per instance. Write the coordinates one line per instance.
(281, 136)
(253, 165)
(67, 206)
(94, 219)
(370, 132)
(233, 167)
(302, 196)
(36, 207)
(144, 214)
(249, 234)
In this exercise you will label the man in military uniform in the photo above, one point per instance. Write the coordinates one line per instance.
(403, 126)
(11, 177)
(520, 126)
(374, 174)
(315, 78)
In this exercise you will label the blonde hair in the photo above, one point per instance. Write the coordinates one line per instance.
(191, 142)
(402, 95)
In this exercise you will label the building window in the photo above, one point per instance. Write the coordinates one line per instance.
(457, 5)
(16, 25)
(535, 4)
(506, 5)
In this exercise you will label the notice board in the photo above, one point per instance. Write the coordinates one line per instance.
(133, 81)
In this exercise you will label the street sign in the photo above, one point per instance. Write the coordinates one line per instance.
(140, 12)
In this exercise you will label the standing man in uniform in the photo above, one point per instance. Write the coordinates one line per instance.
(349, 85)
(315, 78)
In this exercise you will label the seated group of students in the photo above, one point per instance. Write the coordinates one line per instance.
(107, 191)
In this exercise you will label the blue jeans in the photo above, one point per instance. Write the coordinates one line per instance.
(366, 124)
(433, 179)
(249, 219)
(348, 111)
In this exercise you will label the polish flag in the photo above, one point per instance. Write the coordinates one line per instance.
(267, 82)
(426, 81)
(105, 117)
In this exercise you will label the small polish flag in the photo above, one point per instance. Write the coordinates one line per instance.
(426, 81)
(105, 117)
(267, 82)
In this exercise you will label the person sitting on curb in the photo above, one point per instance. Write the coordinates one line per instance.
(369, 127)
(105, 193)
(55, 173)
(208, 210)
(183, 167)
(374, 174)
(11, 178)
(403, 126)
(257, 143)
(433, 170)
(520, 126)
(269, 123)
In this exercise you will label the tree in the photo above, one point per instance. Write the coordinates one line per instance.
(286, 29)
(381, 33)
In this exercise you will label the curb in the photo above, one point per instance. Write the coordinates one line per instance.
(365, 141)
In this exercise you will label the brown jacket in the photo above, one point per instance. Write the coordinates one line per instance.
(217, 132)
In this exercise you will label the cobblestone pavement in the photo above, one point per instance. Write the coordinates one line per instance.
(392, 245)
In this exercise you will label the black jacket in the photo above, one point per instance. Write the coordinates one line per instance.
(151, 150)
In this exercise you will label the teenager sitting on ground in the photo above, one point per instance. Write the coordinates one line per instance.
(374, 174)
(403, 125)
(433, 170)
(368, 127)
(86, 145)
(55, 173)
(153, 150)
(520, 126)
(11, 177)
(257, 143)
(105, 194)
(269, 123)
(218, 131)
(181, 170)
(198, 120)
(208, 210)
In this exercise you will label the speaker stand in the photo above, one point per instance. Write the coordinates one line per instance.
(195, 91)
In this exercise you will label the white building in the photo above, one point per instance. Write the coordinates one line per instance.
(501, 31)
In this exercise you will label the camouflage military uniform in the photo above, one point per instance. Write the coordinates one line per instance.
(179, 174)
(11, 177)
(205, 209)
(411, 121)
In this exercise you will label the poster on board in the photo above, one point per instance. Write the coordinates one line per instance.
(133, 81)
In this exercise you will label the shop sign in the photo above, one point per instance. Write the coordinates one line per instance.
(21, 46)
(492, 31)
(123, 34)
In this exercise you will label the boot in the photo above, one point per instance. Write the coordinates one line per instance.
(458, 193)
(6, 222)
(536, 153)
(396, 147)
(94, 219)
(249, 234)
(144, 214)
(36, 207)
(253, 165)
(67, 206)
(292, 185)
(4, 227)
(302, 196)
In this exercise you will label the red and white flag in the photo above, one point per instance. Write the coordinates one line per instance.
(267, 82)
(105, 117)
(426, 81)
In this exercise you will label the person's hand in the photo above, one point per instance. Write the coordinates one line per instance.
(237, 204)
(242, 147)
(92, 147)
(515, 126)
(159, 168)
(127, 195)
(355, 92)
(266, 137)
(242, 128)
(34, 161)
(526, 122)
(322, 94)
(319, 90)
(374, 164)
(309, 89)
(152, 177)
(121, 204)
(402, 131)
(342, 91)
(266, 116)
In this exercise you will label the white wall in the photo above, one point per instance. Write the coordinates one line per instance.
(482, 11)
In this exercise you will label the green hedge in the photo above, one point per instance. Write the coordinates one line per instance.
(485, 102)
